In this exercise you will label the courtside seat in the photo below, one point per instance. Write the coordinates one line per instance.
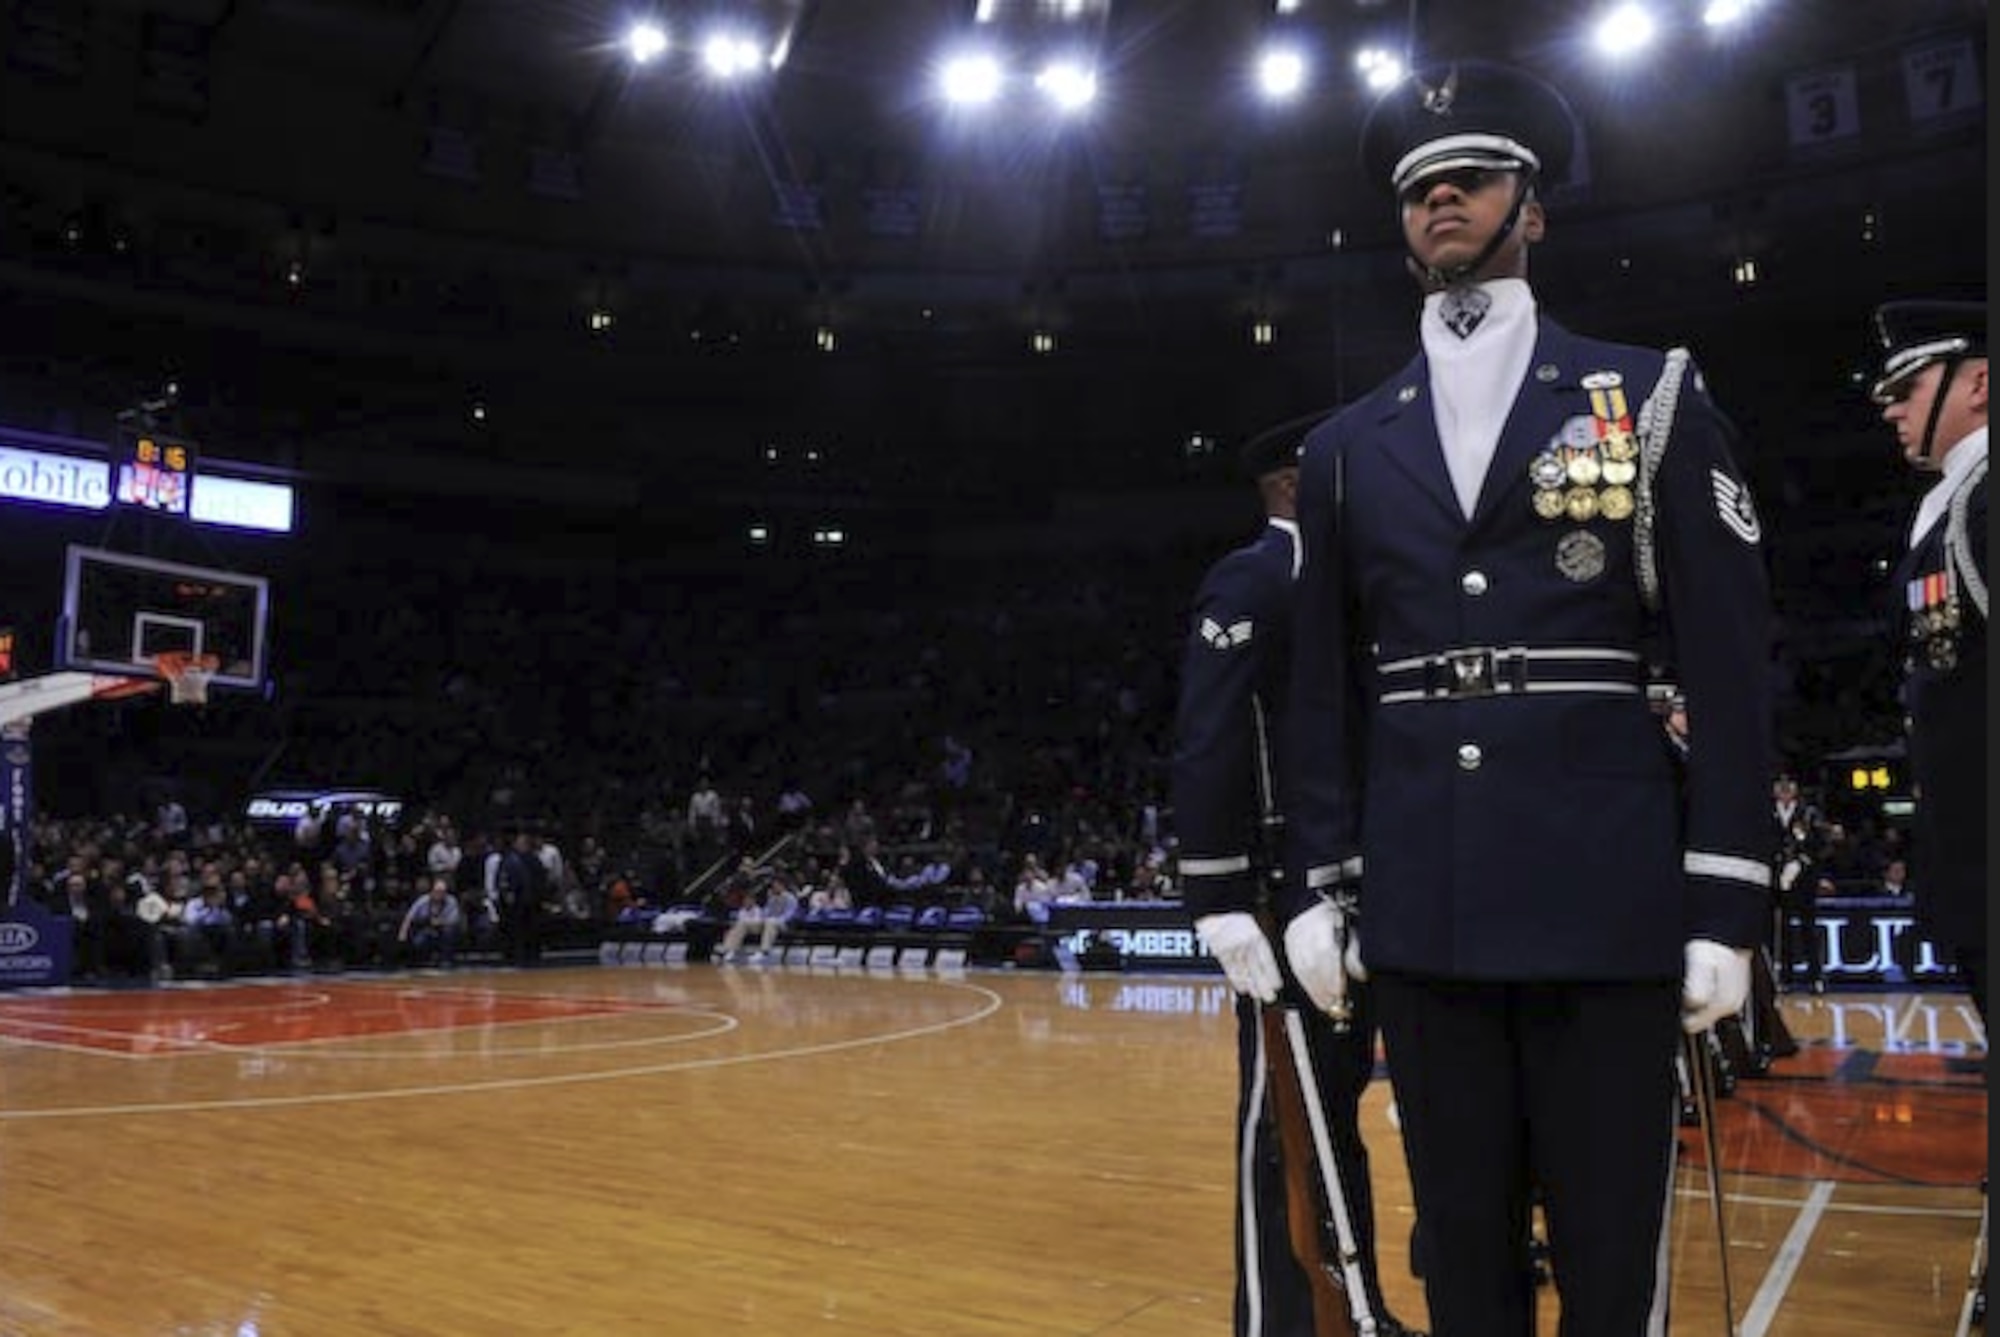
(820, 934)
(953, 939)
(892, 937)
(853, 945)
(811, 931)
(661, 935)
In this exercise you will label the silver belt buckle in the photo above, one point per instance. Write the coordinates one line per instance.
(1468, 673)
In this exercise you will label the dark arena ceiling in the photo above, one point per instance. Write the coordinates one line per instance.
(369, 231)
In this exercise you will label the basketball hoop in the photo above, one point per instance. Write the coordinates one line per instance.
(187, 676)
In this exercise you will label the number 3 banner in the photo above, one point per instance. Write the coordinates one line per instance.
(1823, 107)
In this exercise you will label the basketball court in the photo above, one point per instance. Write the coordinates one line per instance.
(675, 1148)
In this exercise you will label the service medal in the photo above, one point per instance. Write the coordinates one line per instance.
(1620, 445)
(1603, 380)
(1615, 503)
(1620, 473)
(1580, 555)
(1584, 470)
(1547, 470)
(1549, 503)
(1579, 504)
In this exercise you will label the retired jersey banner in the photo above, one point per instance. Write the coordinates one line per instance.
(1941, 82)
(1823, 107)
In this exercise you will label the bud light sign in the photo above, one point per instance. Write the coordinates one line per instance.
(34, 947)
(286, 807)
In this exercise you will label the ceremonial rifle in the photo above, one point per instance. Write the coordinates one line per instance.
(1317, 1215)
(1317, 1211)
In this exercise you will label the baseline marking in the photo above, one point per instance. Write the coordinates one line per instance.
(992, 1004)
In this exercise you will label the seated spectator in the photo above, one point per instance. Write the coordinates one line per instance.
(433, 926)
(1034, 887)
(1072, 885)
(208, 930)
(830, 894)
(770, 916)
(1896, 881)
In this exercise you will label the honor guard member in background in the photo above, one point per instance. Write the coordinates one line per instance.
(1498, 541)
(1227, 811)
(1933, 392)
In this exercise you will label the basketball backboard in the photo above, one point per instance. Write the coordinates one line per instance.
(121, 611)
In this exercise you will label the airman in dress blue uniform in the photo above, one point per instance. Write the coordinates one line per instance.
(1228, 815)
(1933, 391)
(1500, 541)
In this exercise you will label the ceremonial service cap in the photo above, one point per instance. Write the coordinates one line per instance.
(1277, 447)
(1469, 113)
(1917, 333)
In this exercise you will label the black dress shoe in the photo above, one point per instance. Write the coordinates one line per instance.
(1393, 1327)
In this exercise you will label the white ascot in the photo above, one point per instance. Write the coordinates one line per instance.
(1957, 464)
(1478, 359)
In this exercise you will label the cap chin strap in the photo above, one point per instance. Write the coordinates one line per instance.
(1437, 278)
(1927, 448)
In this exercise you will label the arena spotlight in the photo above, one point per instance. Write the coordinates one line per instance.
(730, 55)
(1380, 70)
(969, 79)
(1729, 13)
(1069, 84)
(1281, 72)
(1625, 30)
(645, 42)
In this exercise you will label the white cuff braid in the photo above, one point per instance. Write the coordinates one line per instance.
(1237, 942)
(1715, 984)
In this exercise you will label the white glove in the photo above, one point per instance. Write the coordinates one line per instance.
(1356, 970)
(1715, 985)
(1312, 945)
(1238, 944)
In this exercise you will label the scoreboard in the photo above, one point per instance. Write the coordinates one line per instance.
(155, 472)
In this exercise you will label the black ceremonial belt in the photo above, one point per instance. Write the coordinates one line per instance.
(1517, 670)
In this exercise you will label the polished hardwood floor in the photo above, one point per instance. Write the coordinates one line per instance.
(693, 1149)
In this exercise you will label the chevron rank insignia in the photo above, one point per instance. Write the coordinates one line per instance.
(1225, 638)
(1732, 503)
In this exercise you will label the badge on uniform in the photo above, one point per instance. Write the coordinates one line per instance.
(1225, 638)
(1934, 619)
(1580, 555)
(1732, 503)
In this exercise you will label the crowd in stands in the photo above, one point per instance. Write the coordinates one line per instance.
(969, 731)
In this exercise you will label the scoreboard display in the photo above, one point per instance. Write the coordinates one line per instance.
(155, 472)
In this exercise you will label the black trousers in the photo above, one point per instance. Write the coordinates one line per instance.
(1798, 938)
(1506, 1089)
(1273, 1297)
